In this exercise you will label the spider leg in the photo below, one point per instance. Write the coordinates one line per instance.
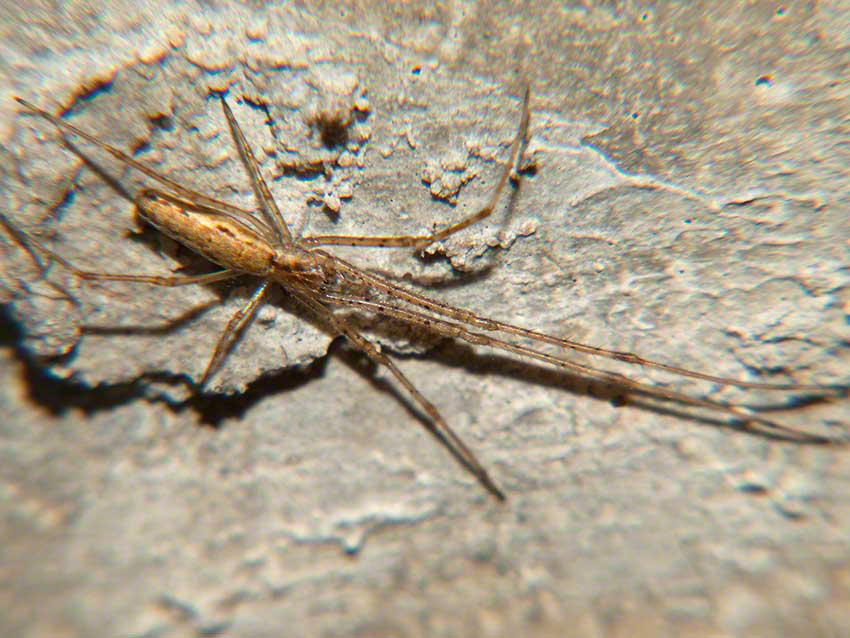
(441, 427)
(422, 241)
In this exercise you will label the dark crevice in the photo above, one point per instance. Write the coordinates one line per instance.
(214, 408)
(162, 122)
(53, 393)
(88, 93)
(58, 395)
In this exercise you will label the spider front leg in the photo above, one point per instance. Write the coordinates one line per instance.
(422, 241)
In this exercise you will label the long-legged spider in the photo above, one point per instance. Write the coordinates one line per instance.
(263, 247)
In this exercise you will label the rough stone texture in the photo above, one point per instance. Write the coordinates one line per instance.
(690, 203)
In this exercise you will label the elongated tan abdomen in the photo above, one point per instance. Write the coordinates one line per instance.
(217, 237)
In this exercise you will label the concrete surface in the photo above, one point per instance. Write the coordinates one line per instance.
(689, 202)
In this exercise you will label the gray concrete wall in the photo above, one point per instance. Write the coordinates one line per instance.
(689, 202)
